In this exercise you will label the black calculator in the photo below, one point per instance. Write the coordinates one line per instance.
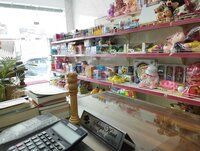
(62, 136)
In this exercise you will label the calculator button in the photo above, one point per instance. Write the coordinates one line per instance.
(46, 135)
(60, 148)
(34, 137)
(47, 143)
(40, 134)
(31, 147)
(44, 132)
(35, 149)
(42, 137)
(19, 144)
(28, 144)
(52, 140)
(38, 143)
(24, 149)
(36, 140)
(27, 141)
(54, 150)
(49, 137)
(11, 148)
(41, 146)
(56, 144)
(45, 149)
(21, 147)
(51, 146)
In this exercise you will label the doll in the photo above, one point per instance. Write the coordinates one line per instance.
(150, 78)
(111, 11)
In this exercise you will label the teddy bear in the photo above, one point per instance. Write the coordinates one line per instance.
(119, 7)
(167, 14)
(131, 6)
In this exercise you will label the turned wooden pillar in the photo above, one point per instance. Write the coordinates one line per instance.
(73, 90)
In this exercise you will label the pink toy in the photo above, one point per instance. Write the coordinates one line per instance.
(111, 11)
(119, 7)
(170, 85)
(150, 78)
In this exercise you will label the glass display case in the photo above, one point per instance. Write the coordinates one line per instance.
(150, 126)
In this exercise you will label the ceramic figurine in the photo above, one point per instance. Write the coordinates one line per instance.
(150, 78)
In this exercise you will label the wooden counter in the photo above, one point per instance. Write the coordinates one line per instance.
(151, 127)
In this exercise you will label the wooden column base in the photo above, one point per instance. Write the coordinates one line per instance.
(74, 120)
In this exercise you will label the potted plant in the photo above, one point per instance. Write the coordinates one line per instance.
(10, 68)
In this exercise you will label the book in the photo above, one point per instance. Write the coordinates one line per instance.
(18, 116)
(13, 105)
(60, 113)
(49, 103)
(45, 98)
(54, 106)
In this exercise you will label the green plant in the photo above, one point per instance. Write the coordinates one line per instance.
(8, 69)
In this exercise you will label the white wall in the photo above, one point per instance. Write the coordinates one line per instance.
(85, 11)
(47, 3)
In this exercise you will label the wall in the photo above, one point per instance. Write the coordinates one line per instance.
(47, 3)
(85, 11)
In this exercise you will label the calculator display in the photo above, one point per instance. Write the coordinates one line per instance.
(66, 133)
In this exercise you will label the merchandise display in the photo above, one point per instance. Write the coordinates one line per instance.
(148, 75)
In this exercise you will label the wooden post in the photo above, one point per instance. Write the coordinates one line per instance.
(73, 90)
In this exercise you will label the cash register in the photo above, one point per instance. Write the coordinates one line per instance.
(62, 136)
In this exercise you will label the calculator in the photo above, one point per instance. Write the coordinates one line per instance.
(62, 136)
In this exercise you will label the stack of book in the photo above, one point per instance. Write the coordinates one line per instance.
(49, 99)
(15, 111)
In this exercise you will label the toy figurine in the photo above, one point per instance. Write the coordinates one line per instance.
(150, 78)
(172, 40)
(119, 7)
(111, 11)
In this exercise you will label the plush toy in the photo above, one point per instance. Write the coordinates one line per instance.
(131, 6)
(150, 78)
(167, 14)
(119, 7)
(181, 10)
(111, 11)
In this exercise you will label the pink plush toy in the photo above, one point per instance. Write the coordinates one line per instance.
(119, 7)
(150, 78)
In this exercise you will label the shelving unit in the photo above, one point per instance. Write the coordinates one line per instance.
(132, 86)
(137, 55)
(175, 96)
(151, 26)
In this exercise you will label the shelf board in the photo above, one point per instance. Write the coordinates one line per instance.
(138, 55)
(134, 30)
(132, 86)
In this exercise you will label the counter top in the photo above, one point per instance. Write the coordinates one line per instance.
(151, 127)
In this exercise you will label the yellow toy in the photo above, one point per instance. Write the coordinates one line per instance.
(117, 79)
(95, 90)
(194, 46)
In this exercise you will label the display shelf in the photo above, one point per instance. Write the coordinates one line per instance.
(157, 92)
(152, 26)
(137, 55)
